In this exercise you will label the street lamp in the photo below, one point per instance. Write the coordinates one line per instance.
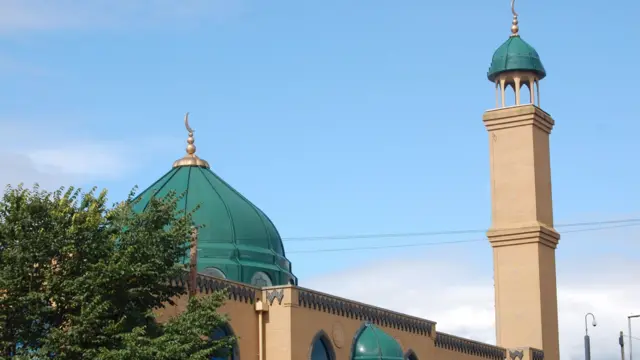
(587, 341)
(630, 338)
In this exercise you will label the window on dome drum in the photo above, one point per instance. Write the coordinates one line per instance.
(261, 279)
(221, 333)
(215, 272)
(321, 348)
(411, 355)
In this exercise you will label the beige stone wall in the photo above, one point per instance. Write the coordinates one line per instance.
(340, 319)
(240, 308)
(292, 318)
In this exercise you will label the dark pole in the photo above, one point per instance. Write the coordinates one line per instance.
(621, 342)
(587, 347)
(630, 338)
(193, 263)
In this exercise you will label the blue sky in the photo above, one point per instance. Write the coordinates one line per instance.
(334, 117)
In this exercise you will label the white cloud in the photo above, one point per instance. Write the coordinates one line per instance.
(460, 298)
(19, 168)
(47, 158)
(52, 166)
(73, 14)
(94, 160)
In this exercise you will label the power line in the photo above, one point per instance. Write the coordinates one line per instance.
(442, 232)
(386, 246)
(620, 224)
(379, 236)
(631, 337)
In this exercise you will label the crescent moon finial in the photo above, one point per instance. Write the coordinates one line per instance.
(514, 23)
(186, 123)
(190, 159)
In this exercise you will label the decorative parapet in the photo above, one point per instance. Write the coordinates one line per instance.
(527, 353)
(516, 354)
(207, 284)
(342, 307)
(275, 294)
(466, 346)
(537, 354)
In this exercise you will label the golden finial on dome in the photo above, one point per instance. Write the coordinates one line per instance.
(514, 22)
(190, 159)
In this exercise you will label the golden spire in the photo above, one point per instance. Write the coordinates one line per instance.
(514, 22)
(190, 159)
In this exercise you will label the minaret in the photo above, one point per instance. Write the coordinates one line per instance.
(522, 233)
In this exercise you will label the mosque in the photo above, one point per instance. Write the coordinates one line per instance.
(239, 249)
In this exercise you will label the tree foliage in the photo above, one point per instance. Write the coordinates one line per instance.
(80, 279)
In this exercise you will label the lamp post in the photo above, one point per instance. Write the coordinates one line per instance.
(587, 340)
(630, 338)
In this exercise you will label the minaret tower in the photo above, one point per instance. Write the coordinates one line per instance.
(522, 233)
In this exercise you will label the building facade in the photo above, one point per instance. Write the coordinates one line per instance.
(240, 250)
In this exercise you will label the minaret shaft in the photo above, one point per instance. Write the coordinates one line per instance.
(522, 234)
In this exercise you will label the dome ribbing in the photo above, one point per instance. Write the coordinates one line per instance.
(237, 240)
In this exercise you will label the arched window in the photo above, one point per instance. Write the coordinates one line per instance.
(410, 355)
(261, 279)
(321, 348)
(221, 333)
(215, 272)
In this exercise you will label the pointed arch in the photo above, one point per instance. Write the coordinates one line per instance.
(321, 347)
(225, 331)
(410, 355)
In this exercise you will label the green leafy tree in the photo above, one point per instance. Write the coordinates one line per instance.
(80, 279)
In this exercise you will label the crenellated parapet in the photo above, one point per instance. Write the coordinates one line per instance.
(470, 347)
(208, 284)
(354, 310)
(528, 353)
(537, 354)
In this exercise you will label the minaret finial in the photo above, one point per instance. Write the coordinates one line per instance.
(190, 159)
(191, 149)
(514, 22)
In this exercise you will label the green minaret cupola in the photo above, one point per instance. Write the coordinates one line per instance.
(516, 63)
(236, 241)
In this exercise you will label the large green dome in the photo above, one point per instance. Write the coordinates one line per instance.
(372, 343)
(238, 241)
(515, 54)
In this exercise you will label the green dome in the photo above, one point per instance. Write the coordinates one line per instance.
(238, 241)
(372, 343)
(515, 54)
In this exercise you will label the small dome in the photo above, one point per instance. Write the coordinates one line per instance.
(515, 54)
(238, 241)
(374, 344)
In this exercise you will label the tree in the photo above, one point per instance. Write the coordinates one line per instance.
(79, 279)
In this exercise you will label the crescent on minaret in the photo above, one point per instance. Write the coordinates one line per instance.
(186, 122)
